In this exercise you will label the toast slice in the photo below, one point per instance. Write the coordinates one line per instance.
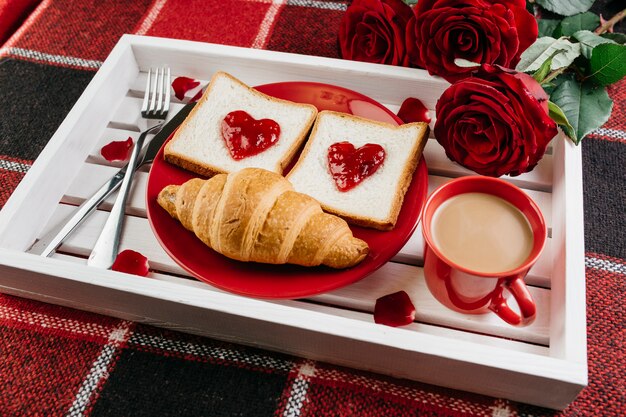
(199, 145)
(375, 202)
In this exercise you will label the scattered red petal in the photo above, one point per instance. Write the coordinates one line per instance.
(131, 262)
(394, 310)
(183, 84)
(117, 150)
(196, 97)
(413, 110)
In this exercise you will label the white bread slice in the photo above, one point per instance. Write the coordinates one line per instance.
(198, 144)
(376, 201)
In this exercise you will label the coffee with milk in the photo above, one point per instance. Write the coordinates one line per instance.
(482, 232)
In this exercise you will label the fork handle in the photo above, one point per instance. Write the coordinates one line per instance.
(106, 248)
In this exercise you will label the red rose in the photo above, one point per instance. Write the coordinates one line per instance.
(374, 31)
(495, 122)
(482, 31)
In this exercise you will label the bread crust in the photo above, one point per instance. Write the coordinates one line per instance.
(207, 169)
(401, 187)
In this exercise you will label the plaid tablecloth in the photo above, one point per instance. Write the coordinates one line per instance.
(57, 361)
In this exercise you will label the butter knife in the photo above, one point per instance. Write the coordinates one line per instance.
(48, 243)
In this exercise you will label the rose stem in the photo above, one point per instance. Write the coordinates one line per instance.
(553, 75)
(609, 23)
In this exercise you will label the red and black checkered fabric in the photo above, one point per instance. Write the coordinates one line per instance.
(56, 361)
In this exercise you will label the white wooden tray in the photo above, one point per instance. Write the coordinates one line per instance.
(543, 364)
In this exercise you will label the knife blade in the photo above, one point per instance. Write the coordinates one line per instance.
(48, 243)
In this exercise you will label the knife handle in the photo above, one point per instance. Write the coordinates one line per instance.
(106, 248)
(48, 243)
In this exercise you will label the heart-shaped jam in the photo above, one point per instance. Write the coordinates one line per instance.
(245, 136)
(349, 165)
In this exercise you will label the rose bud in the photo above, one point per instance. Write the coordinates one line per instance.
(481, 31)
(495, 122)
(374, 31)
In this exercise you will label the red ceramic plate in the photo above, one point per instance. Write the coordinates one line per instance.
(285, 281)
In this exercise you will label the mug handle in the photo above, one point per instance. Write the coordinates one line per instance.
(524, 300)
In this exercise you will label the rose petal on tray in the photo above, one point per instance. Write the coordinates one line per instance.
(413, 110)
(118, 150)
(131, 262)
(394, 310)
(183, 84)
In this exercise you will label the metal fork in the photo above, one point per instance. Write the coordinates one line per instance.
(156, 104)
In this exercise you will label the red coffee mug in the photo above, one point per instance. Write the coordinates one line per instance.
(474, 292)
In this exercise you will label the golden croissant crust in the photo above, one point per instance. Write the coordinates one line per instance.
(255, 215)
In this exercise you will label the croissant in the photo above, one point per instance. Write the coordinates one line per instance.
(255, 215)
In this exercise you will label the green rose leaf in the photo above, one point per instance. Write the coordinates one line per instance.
(559, 117)
(410, 2)
(581, 21)
(566, 7)
(608, 63)
(543, 48)
(615, 37)
(544, 69)
(547, 27)
(586, 106)
(589, 40)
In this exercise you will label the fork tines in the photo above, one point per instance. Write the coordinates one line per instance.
(156, 100)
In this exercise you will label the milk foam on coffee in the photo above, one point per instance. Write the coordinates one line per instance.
(482, 232)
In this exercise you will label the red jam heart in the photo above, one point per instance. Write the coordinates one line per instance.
(394, 310)
(245, 136)
(349, 166)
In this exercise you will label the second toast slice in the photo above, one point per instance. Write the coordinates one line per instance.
(359, 169)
